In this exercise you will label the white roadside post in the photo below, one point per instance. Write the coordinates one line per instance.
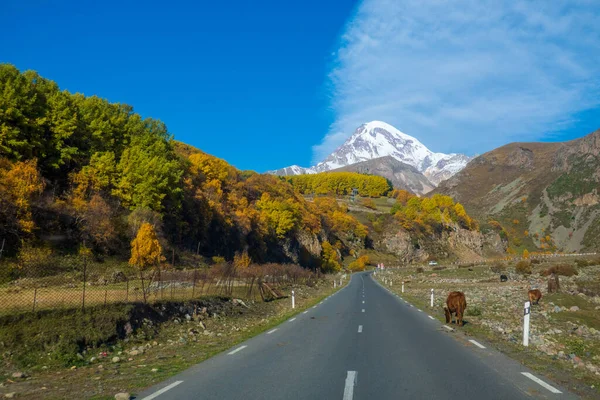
(334, 282)
(431, 298)
(293, 300)
(402, 286)
(526, 314)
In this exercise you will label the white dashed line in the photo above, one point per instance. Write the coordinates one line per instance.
(447, 327)
(236, 350)
(411, 305)
(314, 306)
(363, 302)
(349, 386)
(292, 320)
(419, 310)
(541, 382)
(363, 310)
(430, 317)
(360, 329)
(271, 331)
(477, 344)
(304, 312)
(161, 391)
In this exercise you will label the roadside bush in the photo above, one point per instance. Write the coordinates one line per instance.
(523, 267)
(498, 267)
(561, 269)
(359, 264)
(369, 203)
(420, 270)
(473, 311)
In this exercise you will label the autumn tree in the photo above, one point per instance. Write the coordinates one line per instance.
(329, 258)
(525, 254)
(146, 252)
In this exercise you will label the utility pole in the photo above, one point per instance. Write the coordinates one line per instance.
(2, 248)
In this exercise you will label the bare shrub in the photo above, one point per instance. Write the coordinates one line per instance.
(523, 267)
(561, 269)
(498, 267)
(420, 270)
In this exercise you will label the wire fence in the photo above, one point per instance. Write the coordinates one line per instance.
(89, 287)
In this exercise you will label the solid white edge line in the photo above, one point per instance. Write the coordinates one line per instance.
(430, 317)
(541, 382)
(292, 320)
(476, 343)
(271, 331)
(349, 386)
(161, 391)
(236, 350)
(304, 312)
(360, 329)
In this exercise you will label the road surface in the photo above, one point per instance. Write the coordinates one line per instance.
(361, 343)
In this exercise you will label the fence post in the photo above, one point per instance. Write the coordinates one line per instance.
(84, 282)
(34, 298)
(431, 298)
(194, 282)
(526, 314)
(293, 300)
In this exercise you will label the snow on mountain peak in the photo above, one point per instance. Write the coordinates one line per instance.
(378, 139)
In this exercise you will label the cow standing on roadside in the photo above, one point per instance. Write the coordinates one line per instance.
(534, 296)
(456, 303)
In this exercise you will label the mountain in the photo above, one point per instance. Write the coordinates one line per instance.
(545, 195)
(378, 139)
(401, 175)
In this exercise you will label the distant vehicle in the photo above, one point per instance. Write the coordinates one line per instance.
(432, 263)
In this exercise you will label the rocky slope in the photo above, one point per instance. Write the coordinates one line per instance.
(544, 194)
(378, 139)
(401, 175)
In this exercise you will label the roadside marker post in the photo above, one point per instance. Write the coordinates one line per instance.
(402, 286)
(526, 314)
(334, 283)
(431, 298)
(293, 300)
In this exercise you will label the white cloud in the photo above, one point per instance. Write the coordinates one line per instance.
(465, 75)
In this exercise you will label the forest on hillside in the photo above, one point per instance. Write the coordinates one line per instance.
(78, 169)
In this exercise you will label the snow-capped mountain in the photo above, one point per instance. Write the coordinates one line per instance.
(378, 139)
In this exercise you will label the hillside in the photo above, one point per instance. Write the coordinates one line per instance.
(401, 175)
(545, 195)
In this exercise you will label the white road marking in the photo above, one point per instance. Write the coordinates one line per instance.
(161, 391)
(349, 386)
(360, 329)
(304, 312)
(411, 305)
(314, 306)
(292, 320)
(236, 350)
(430, 317)
(363, 302)
(271, 331)
(363, 310)
(447, 327)
(541, 382)
(419, 310)
(477, 344)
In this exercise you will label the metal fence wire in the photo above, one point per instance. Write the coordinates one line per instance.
(90, 285)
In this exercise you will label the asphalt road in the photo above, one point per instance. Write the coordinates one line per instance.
(361, 343)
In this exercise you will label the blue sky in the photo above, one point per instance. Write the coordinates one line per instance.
(266, 84)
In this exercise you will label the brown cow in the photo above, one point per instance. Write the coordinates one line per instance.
(534, 296)
(456, 303)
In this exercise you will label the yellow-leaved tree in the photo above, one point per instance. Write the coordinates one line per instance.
(525, 254)
(330, 258)
(146, 252)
